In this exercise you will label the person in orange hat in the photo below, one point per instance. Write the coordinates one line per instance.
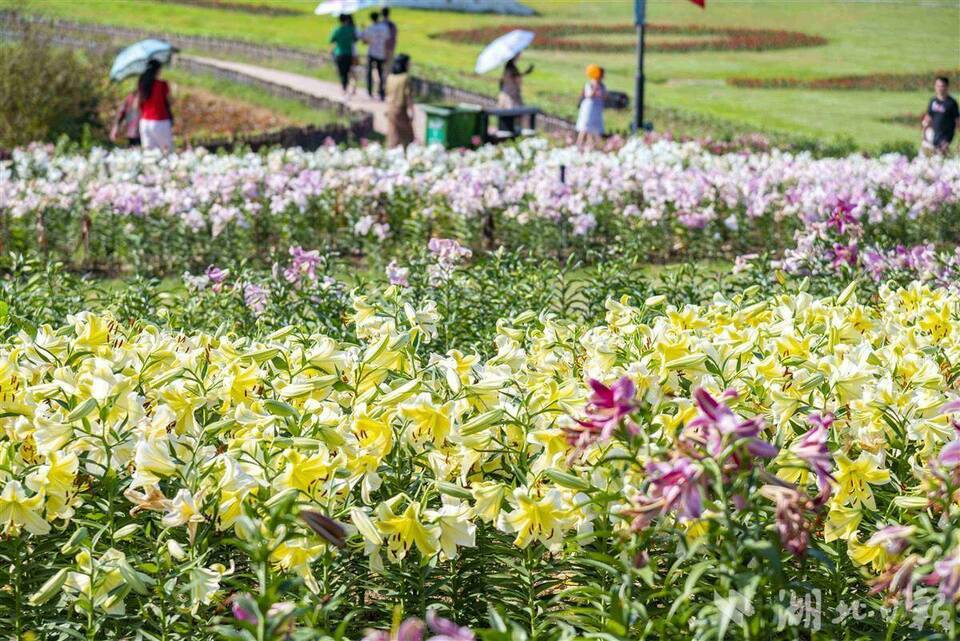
(590, 117)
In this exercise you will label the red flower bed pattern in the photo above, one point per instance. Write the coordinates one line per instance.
(877, 81)
(558, 37)
(242, 7)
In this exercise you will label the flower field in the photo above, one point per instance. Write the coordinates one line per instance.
(116, 211)
(440, 396)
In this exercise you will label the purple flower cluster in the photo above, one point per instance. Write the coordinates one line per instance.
(397, 275)
(303, 273)
(413, 629)
(605, 409)
(812, 449)
(255, 297)
(792, 507)
(943, 571)
(678, 484)
(716, 426)
(664, 180)
(946, 575)
(675, 486)
(834, 246)
(303, 266)
(448, 254)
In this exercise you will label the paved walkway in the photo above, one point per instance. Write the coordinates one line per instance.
(305, 84)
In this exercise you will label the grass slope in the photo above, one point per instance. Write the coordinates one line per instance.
(865, 37)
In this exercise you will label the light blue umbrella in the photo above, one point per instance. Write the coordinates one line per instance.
(133, 60)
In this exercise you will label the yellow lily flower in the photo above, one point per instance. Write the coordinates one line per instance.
(407, 529)
(17, 510)
(854, 479)
(842, 523)
(535, 519)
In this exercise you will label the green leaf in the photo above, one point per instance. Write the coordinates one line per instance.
(81, 410)
(50, 588)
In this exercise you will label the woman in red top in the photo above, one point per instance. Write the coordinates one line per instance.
(156, 119)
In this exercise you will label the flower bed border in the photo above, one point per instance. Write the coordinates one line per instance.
(556, 37)
(867, 82)
(240, 7)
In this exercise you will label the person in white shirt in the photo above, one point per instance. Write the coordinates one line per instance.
(376, 36)
(392, 40)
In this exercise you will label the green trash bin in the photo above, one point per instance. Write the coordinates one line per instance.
(453, 126)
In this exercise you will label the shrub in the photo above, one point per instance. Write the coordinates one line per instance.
(47, 91)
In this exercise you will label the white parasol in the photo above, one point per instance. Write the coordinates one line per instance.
(341, 7)
(504, 48)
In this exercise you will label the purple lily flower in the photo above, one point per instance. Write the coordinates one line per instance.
(717, 421)
(898, 580)
(677, 484)
(447, 630)
(791, 522)
(841, 216)
(844, 254)
(946, 574)
(255, 297)
(611, 402)
(893, 538)
(397, 275)
(605, 407)
(950, 454)
(812, 449)
(950, 407)
(242, 609)
(217, 276)
(410, 630)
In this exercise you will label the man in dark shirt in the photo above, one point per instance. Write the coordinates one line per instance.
(943, 116)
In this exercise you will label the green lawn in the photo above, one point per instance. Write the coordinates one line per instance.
(863, 38)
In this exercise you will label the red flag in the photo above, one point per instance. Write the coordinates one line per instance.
(700, 3)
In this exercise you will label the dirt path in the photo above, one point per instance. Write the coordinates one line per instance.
(305, 84)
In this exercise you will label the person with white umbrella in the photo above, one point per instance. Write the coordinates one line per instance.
(511, 84)
(507, 49)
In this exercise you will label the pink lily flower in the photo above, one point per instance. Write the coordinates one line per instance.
(717, 421)
(812, 449)
(605, 407)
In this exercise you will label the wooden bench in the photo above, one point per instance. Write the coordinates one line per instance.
(510, 121)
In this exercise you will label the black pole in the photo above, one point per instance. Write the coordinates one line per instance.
(638, 89)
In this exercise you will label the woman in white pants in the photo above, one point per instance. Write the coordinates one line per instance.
(156, 118)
